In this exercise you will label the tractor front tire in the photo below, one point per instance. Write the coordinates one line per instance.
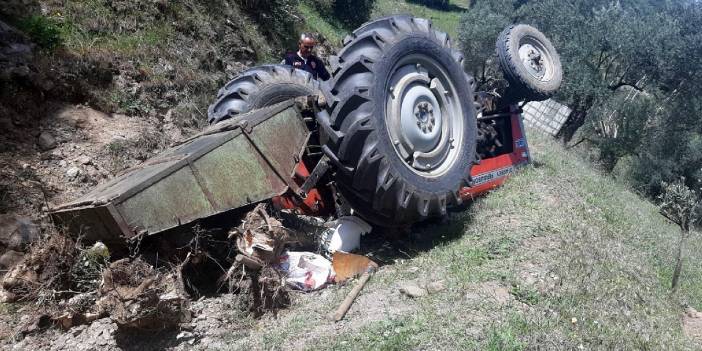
(529, 62)
(400, 122)
(260, 87)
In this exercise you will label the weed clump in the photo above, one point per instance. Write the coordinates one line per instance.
(44, 31)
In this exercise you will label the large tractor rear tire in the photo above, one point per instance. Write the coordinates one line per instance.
(260, 87)
(400, 122)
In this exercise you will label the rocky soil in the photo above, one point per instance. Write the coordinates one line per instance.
(89, 89)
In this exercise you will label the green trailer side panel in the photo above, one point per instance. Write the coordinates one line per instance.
(239, 179)
(174, 200)
(279, 128)
(232, 164)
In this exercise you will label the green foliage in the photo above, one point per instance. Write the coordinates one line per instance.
(525, 294)
(630, 75)
(276, 17)
(44, 31)
(680, 204)
(351, 13)
(478, 30)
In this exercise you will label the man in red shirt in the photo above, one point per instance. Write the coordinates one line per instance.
(304, 59)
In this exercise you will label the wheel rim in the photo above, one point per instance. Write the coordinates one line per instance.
(423, 115)
(536, 59)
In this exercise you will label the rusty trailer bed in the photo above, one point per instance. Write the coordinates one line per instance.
(234, 163)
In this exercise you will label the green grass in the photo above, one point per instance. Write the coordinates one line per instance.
(584, 261)
(328, 27)
(445, 20)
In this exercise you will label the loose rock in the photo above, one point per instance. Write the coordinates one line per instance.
(413, 291)
(85, 160)
(73, 172)
(436, 287)
(46, 141)
(16, 233)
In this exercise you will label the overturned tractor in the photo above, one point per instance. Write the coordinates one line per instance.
(397, 135)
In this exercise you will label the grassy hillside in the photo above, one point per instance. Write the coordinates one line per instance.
(445, 20)
(561, 257)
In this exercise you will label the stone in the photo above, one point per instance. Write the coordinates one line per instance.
(413, 291)
(436, 287)
(84, 160)
(46, 141)
(63, 163)
(73, 172)
(16, 232)
(9, 259)
(184, 335)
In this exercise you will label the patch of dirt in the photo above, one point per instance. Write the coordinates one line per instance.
(692, 324)
(85, 147)
(488, 291)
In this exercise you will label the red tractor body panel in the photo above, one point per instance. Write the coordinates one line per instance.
(492, 172)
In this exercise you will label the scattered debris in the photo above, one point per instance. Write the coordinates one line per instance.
(352, 265)
(345, 234)
(347, 266)
(263, 237)
(45, 270)
(10, 259)
(305, 270)
(135, 295)
(346, 304)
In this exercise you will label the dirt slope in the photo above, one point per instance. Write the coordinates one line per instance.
(88, 88)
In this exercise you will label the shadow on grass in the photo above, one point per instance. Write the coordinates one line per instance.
(439, 7)
(387, 245)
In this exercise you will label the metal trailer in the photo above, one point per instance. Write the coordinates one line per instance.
(230, 165)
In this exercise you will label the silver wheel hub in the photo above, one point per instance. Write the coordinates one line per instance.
(535, 59)
(423, 116)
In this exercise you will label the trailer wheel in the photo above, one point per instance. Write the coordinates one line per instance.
(260, 87)
(530, 63)
(400, 121)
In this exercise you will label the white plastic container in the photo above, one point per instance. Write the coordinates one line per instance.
(346, 234)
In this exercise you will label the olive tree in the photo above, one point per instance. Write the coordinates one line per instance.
(682, 206)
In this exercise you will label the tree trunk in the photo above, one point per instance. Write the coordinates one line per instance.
(678, 262)
(575, 120)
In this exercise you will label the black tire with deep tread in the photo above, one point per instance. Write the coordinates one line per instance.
(371, 176)
(522, 85)
(260, 87)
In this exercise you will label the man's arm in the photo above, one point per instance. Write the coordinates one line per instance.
(323, 74)
(288, 60)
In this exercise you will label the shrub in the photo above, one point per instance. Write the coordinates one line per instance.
(276, 17)
(43, 31)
